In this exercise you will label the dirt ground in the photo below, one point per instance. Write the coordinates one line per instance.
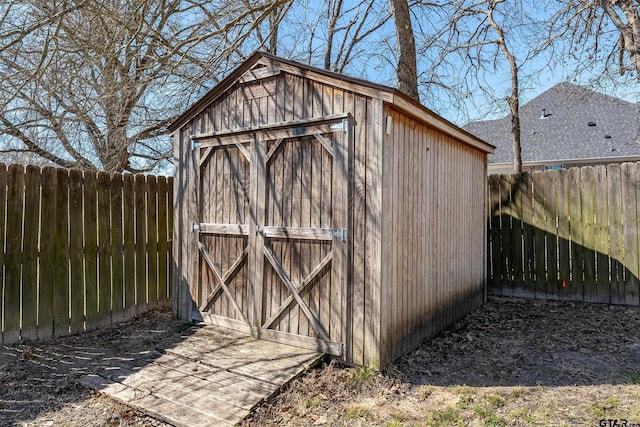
(512, 362)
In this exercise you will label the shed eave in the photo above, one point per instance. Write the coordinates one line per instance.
(419, 111)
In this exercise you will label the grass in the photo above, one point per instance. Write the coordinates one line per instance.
(443, 417)
(601, 409)
(356, 412)
(361, 376)
(488, 416)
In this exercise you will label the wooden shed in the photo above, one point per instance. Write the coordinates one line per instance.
(326, 211)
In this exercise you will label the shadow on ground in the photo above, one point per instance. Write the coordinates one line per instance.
(524, 342)
(38, 379)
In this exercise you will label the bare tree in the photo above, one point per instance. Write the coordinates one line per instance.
(484, 37)
(334, 34)
(602, 35)
(92, 84)
(407, 69)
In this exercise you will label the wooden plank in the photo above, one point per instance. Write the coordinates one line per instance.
(76, 251)
(141, 294)
(516, 234)
(563, 199)
(224, 229)
(299, 233)
(119, 279)
(30, 253)
(338, 330)
(13, 254)
(129, 233)
(373, 230)
(539, 226)
(103, 194)
(92, 285)
(3, 210)
(616, 238)
(163, 233)
(576, 229)
(171, 244)
(47, 251)
(506, 184)
(528, 255)
(259, 184)
(630, 233)
(588, 195)
(357, 228)
(61, 275)
(551, 233)
(602, 290)
(152, 240)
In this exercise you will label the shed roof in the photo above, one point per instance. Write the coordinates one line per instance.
(563, 131)
(390, 95)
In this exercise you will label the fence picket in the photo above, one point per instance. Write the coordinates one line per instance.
(615, 235)
(539, 231)
(587, 195)
(13, 254)
(90, 218)
(630, 234)
(3, 210)
(142, 283)
(162, 239)
(103, 202)
(48, 254)
(551, 234)
(30, 253)
(601, 235)
(129, 231)
(61, 275)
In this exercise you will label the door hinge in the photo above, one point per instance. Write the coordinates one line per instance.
(195, 145)
(341, 234)
(343, 125)
(195, 226)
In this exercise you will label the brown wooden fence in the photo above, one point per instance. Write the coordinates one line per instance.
(568, 234)
(81, 249)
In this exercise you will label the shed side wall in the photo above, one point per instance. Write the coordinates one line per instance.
(286, 97)
(433, 205)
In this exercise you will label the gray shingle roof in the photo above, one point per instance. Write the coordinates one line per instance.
(564, 134)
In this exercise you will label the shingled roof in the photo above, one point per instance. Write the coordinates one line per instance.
(566, 122)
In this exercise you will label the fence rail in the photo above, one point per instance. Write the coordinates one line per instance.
(80, 250)
(567, 234)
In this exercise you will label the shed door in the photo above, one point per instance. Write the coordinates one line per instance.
(273, 207)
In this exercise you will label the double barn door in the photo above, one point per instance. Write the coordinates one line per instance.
(272, 227)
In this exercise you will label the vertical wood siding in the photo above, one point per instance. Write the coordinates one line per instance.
(63, 239)
(432, 233)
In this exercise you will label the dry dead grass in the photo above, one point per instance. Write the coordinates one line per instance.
(513, 362)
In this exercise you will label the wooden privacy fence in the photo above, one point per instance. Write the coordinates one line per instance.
(567, 234)
(81, 249)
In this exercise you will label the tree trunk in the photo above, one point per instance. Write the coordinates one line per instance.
(407, 69)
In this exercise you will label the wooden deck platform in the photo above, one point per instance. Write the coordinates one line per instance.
(213, 376)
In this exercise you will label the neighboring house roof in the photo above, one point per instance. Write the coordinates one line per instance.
(387, 94)
(578, 124)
